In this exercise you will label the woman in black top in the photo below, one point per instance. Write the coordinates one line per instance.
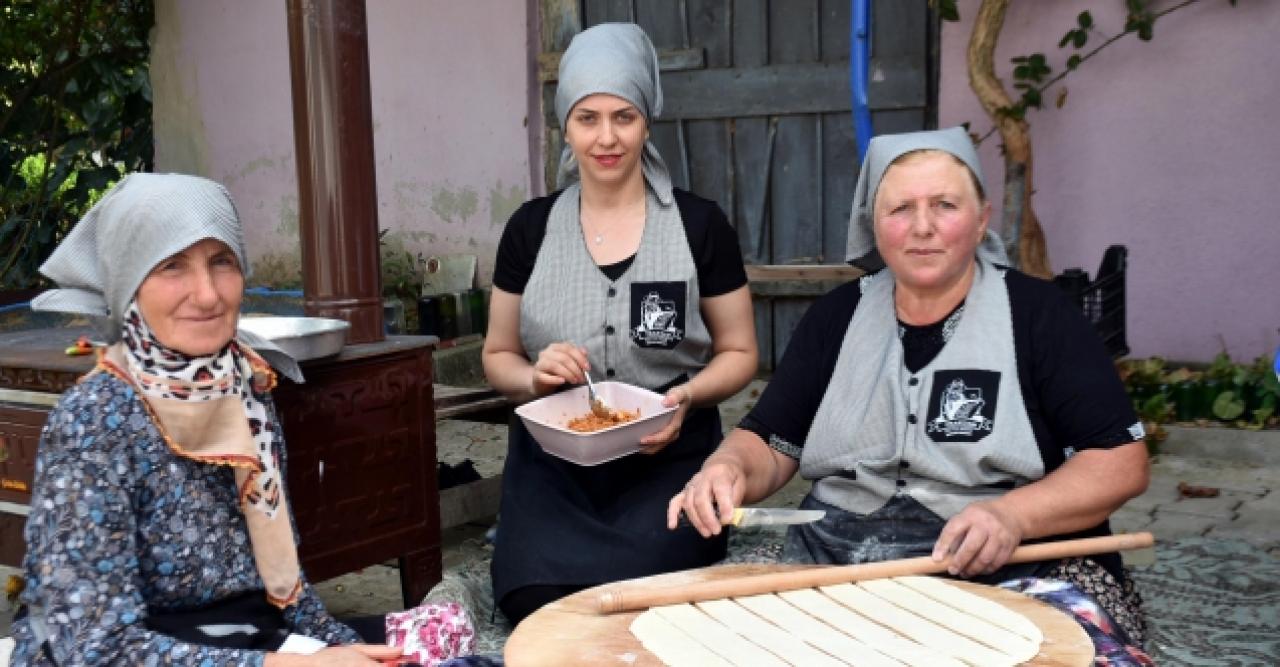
(945, 406)
(623, 276)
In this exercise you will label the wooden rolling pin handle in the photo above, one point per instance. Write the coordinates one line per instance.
(616, 601)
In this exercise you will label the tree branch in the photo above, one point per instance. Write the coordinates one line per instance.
(1044, 87)
(1111, 40)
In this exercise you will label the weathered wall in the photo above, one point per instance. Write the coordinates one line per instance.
(1168, 147)
(449, 95)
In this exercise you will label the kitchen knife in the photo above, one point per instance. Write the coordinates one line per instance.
(750, 517)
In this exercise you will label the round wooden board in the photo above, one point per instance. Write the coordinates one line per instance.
(570, 632)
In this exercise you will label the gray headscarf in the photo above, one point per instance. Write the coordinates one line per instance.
(881, 153)
(141, 221)
(616, 59)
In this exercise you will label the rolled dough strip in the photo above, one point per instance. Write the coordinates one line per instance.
(716, 637)
(859, 627)
(992, 612)
(671, 645)
(928, 633)
(1019, 648)
(770, 636)
(777, 611)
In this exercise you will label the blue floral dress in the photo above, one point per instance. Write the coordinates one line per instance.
(120, 524)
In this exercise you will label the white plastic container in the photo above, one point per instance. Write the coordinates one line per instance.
(546, 419)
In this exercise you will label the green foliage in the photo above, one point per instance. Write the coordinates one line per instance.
(1221, 368)
(1243, 395)
(401, 270)
(1141, 372)
(1228, 406)
(1156, 408)
(75, 115)
(1140, 19)
(947, 10)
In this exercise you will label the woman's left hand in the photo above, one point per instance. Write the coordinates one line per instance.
(980, 539)
(680, 397)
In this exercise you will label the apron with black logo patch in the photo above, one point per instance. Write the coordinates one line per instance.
(657, 314)
(953, 433)
(566, 524)
(962, 405)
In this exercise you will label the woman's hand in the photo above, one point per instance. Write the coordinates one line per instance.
(980, 539)
(719, 486)
(557, 364)
(682, 399)
(1079, 494)
(354, 655)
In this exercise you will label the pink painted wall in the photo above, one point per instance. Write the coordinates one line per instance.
(1170, 147)
(449, 95)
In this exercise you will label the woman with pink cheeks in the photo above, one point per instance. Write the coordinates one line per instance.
(623, 276)
(928, 225)
(944, 406)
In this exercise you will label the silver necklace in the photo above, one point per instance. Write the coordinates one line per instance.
(597, 236)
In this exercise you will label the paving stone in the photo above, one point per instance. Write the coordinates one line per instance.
(485, 444)
(1254, 529)
(1170, 525)
(1139, 557)
(1223, 506)
(373, 590)
(1262, 447)
(1228, 475)
(1268, 504)
(1162, 489)
(1127, 520)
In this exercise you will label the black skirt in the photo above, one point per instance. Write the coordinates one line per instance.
(570, 525)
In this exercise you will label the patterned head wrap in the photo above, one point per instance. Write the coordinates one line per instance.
(615, 59)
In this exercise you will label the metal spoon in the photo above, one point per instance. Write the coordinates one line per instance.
(598, 407)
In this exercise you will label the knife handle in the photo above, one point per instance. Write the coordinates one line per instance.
(736, 519)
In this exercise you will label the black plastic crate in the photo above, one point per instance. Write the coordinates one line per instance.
(1102, 300)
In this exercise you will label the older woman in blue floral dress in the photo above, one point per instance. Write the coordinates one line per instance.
(159, 531)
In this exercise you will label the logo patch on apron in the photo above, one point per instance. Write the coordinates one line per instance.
(657, 314)
(962, 405)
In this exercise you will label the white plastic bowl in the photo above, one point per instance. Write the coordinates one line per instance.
(546, 419)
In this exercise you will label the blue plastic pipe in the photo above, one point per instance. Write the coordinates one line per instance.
(266, 291)
(859, 61)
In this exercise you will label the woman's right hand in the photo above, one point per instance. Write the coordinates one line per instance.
(710, 497)
(557, 364)
(353, 655)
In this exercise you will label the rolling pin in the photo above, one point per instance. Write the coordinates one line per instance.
(615, 601)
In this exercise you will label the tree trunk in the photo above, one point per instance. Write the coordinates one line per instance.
(1024, 238)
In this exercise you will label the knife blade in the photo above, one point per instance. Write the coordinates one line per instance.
(746, 517)
(755, 517)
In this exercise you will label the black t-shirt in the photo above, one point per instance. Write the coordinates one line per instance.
(1074, 398)
(712, 241)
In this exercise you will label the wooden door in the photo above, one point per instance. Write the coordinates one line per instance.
(757, 115)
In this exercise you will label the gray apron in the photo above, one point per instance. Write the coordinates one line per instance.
(894, 454)
(564, 524)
